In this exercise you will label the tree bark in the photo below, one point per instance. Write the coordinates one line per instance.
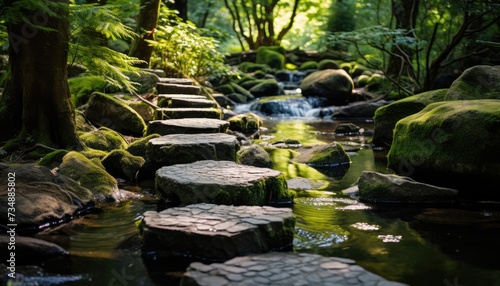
(181, 6)
(146, 23)
(36, 101)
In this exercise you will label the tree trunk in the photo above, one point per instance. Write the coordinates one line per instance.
(146, 23)
(37, 97)
(181, 6)
(405, 12)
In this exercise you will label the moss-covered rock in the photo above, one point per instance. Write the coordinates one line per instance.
(477, 82)
(249, 67)
(328, 64)
(267, 87)
(103, 186)
(323, 155)
(145, 110)
(94, 154)
(451, 144)
(273, 56)
(239, 89)
(246, 122)
(53, 159)
(82, 125)
(82, 87)
(334, 85)
(103, 139)
(225, 89)
(385, 117)
(388, 188)
(250, 83)
(309, 65)
(122, 164)
(145, 81)
(254, 155)
(362, 80)
(105, 110)
(138, 147)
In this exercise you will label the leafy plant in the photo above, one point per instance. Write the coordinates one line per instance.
(181, 51)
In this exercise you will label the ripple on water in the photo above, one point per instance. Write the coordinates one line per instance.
(305, 239)
(365, 226)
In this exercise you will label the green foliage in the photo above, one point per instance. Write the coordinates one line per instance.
(342, 17)
(181, 51)
(91, 27)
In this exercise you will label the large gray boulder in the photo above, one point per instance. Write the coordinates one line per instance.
(335, 86)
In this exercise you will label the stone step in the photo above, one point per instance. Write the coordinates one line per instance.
(187, 148)
(221, 182)
(215, 233)
(165, 99)
(187, 126)
(192, 103)
(177, 113)
(282, 268)
(174, 80)
(163, 87)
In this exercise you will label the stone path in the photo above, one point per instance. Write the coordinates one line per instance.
(163, 87)
(187, 126)
(280, 268)
(187, 148)
(176, 113)
(221, 182)
(164, 100)
(213, 233)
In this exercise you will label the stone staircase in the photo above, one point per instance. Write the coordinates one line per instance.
(225, 209)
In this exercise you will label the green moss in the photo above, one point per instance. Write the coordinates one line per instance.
(138, 147)
(94, 153)
(362, 81)
(224, 89)
(122, 164)
(91, 176)
(328, 64)
(249, 67)
(309, 65)
(333, 155)
(103, 139)
(82, 87)
(272, 56)
(245, 122)
(53, 159)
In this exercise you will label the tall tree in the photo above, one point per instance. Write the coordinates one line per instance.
(146, 25)
(35, 104)
(254, 21)
(181, 6)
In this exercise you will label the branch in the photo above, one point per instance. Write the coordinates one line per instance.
(292, 20)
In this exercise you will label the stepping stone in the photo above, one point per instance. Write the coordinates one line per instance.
(164, 99)
(176, 113)
(221, 182)
(282, 268)
(187, 148)
(187, 126)
(174, 80)
(163, 87)
(215, 233)
(192, 103)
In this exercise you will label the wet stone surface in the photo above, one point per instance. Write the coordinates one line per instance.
(221, 182)
(282, 268)
(187, 126)
(194, 103)
(176, 113)
(165, 99)
(187, 148)
(163, 87)
(216, 233)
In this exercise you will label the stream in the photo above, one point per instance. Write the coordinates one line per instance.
(431, 245)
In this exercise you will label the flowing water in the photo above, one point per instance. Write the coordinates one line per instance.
(446, 245)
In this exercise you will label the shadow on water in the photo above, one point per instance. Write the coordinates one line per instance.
(417, 246)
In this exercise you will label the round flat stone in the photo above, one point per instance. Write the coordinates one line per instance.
(274, 270)
(222, 182)
(187, 126)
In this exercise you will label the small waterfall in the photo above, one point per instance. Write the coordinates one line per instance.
(281, 106)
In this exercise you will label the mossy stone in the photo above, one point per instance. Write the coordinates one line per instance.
(103, 139)
(82, 87)
(138, 147)
(267, 87)
(122, 164)
(245, 122)
(309, 65)
(328, 64)
(272, 56)
(103, 186)
(94, 153)
(53, 159)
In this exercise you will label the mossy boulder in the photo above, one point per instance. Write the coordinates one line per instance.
(386, 117)
(82, 87)
(144, 81)
(254, 155)
(41, 196)
(145, 110)
(309, 65)
(273, 56)
(94, 154)
(327, 155)
(239, 89)
(82, 125)
(53, 159)
(389, 188)
(328, 64)
(451, 144)
(105, 110)
(103, 186)
(266, 87)
(103, 139)
(477, 82)
(249, 67)
(246, 122)
(139, 146)
(335, 86)
(122, 164)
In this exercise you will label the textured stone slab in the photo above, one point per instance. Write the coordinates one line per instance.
(187, 126)
(187, 148)
(165, 99)
(282, 268)
(176, 113)
(215, 233)
(221, 182)
(192, 103)
(163, 87)
(184, 81)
